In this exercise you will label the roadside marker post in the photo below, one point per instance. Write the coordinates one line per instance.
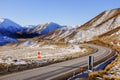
(39, 55)
(90, 63)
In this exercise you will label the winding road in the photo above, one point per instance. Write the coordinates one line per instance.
(50, 72)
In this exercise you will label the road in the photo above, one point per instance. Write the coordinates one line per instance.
(51, 71)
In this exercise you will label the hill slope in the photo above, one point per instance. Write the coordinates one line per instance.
(103, 23)
(44, 28)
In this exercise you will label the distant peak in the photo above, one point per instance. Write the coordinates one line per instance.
(52, 23)
(4, 19)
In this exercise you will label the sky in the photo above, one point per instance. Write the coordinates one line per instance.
(63, 12)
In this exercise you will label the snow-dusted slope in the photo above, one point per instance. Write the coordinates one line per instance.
(44, 28)
(61, 34)
(100, 19)
(10, 31)
(103, 23)
(106, 21)
(112, 37)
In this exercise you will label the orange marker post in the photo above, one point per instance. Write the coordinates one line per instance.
(39, 56)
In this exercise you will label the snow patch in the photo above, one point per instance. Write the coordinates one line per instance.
(49, 46)
(1, 20)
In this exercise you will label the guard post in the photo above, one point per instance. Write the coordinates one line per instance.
(90, 63)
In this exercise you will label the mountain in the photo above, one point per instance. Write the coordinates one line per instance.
(108, 16)
(44, 28)
(101, 24)
(106, 23)
(62, 34)
(11, 31)
(8, 31)
(9, 28)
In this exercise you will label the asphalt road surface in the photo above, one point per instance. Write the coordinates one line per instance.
(51, 71)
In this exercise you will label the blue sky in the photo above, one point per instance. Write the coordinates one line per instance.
(64, 12)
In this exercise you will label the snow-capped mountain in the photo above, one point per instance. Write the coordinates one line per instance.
(8, 31)
(11, 31)
(103, 23)
(9, 28)
(44, 28)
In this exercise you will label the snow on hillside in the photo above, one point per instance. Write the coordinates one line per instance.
(97, 28)
(59, 32)
(50, 27)
(62, 33)
(112, 39)
(47, 51)
(43, 29)
(107, 21)
(12, 30)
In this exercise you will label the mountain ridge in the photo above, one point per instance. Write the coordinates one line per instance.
(91, 30)
(102, 23)
(11, 31)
